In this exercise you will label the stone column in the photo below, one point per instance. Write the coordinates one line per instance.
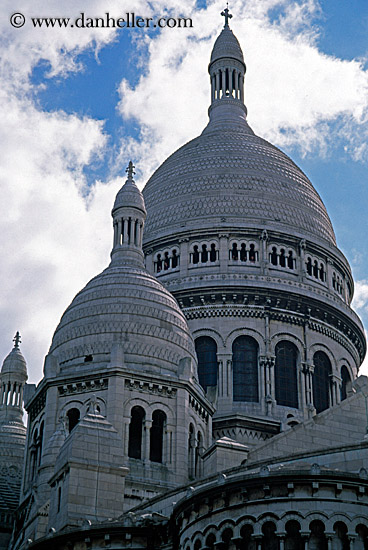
(119, 231)
(224, 252)
(329, 270)
(335, 389)
(224, 382)
(242, 88)
(217, 85)
(146, 440)
(267, 363)
(184, 256)
(302, 272)
(263, 252)
(126, 436)
(125, 236)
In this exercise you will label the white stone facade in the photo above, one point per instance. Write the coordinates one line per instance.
(207, 399)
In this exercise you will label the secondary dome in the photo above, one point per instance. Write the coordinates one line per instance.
(124, 305)
(228, 176)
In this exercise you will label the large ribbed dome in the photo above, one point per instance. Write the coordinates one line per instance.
(123, 304)
(229, 175)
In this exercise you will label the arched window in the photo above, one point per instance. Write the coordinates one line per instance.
(40, 443)
(362, 536)
(195, 256)
(206, 349)
(191, 450)
(309, 266)
(317, 537)
(226, 536)
(73, 418)
(286, 378)
(252, 253)
(174, 259)
(135, 432)
(273, 256)
(213, 253)
(282, 258)
(204, 254)
(340, 538)
(293, 539)
(243, 253)
(290, 260)
(345, 382)
(234, 252)
(269, 539)
(247, 543)
(245, 369)
(166, 261)
(198, 451)
(158, 263)
(157, 436)
(321, 381)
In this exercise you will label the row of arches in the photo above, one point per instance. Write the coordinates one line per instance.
(315, 269)
(292, 537)
(245, 369)
(167, 260)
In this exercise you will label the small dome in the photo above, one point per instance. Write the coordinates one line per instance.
(14, 364)
(227, 46)
(123, 305)
(129, 195)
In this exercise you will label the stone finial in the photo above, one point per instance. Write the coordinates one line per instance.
(227, 15)
(17, 340)
(130, 171)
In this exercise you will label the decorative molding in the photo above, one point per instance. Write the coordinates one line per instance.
(149, 387)
(201, 411)
(37, 406)
(83, 387)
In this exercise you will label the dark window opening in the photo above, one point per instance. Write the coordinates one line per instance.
(286, 379)
(59, 500)
(273, 256)
(282, 258)
(213, 253)
(195, 255)
(206, 349)
(270, 540)
(166, 261)
(245, 369)
(309, 266)
(73, 418)
(158, 263)
(204, 254)
(252, 254)
(157, 436)
(290, 260)
(243, 253)
(345, 382)
(234, 252)
(317, 537)
(136, 432)
(321, 381)
(293, 539)
(174, 259)
(88, 358)
(315, 269)
(321, 273)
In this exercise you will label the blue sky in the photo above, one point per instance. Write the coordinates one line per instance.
(77, 104)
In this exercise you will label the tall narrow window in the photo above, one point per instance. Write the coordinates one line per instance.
(345, 382)
(73, 418)
(206, 349)
(245, 369)
(157, 436)
(286, 379)
(213, 253)
(135, 432)
(321, 381)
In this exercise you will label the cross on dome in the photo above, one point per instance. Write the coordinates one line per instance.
(17, 340)
(130, 170)
(227, 15)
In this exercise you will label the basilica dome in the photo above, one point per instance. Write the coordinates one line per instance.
(124, 305)
(230, 177)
